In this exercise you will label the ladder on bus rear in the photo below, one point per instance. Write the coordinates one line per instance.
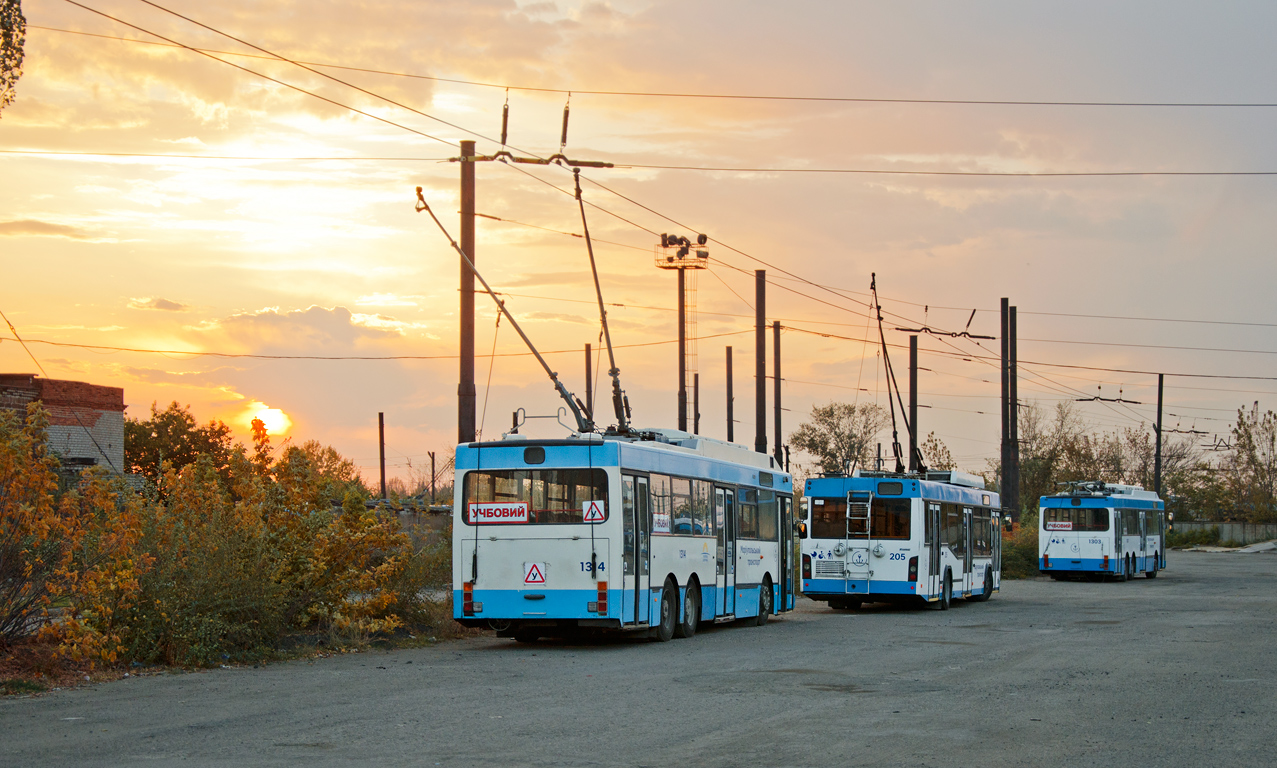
(859, 518)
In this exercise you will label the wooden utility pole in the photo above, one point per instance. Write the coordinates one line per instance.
(466, 394)
(760, 360)
(913, 403)
(1157, 459)
(682, 350)
(1013, 435)
(1005, 462)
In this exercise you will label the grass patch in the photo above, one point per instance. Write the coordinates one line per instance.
(16, 686)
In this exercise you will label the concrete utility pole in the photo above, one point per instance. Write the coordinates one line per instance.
(780, 455)
(913, 403)
(466, 394)
(731, 417)
(760, 360)
(1005, 462)
(1157, 459)
(381, 444)
(1013, 442)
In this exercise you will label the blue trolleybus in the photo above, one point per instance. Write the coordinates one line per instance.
(653, 532)
(1102, 530)
(886, 537)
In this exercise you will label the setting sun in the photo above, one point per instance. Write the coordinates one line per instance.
(276, 421)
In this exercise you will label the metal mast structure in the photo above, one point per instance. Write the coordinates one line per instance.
(678, 253)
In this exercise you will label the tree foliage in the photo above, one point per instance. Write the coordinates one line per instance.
(173, 435)
(840, 435)
(1251, 469)
(936, 454)
(13, 35)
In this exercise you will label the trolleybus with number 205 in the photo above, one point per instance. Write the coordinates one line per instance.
(652, 532)
(887, 537)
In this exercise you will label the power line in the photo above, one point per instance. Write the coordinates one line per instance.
(218, 157)
(726, 96)
(887, 172)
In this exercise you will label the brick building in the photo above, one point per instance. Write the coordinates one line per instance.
(86, 421)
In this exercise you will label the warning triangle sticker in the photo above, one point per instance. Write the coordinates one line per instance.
(534, 575)
(593, 512)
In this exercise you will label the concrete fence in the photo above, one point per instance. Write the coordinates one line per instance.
(1243, 533)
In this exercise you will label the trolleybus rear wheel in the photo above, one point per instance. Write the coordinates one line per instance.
(669, 614)
(764, 601)
(946, 592)
(691, 612)
(526, 636)
(1153, 573)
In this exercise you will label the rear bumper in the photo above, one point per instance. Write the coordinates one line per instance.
(534, 605)
(1085, 564)
(818, 588)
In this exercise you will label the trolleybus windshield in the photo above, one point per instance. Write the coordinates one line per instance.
(532, 496)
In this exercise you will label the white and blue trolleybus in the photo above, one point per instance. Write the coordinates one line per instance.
(1101, 530)
(650, 532)
(888, 537)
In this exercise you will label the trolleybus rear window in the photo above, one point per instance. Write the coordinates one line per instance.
(891, 519)
(1075, 519)
(531, 496)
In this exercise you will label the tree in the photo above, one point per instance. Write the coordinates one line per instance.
(173, 435)
(1252, 469)
(936, 454)
(840, 434)
(13, 35)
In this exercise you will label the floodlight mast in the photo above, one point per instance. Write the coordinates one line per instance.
(618, 396)
(583, 423)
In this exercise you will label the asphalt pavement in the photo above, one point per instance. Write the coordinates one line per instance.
(1174, 671)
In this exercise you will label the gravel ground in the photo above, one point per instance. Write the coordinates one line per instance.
(1179, 670)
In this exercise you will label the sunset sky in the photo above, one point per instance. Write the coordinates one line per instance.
(155, 199)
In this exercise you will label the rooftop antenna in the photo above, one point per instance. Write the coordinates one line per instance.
(620, 403)
(583, 423)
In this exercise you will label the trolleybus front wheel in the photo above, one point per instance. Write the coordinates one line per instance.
(669, 614)
(946, 592)
(691, 612)
(988, 586)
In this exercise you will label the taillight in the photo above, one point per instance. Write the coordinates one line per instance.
(467, 604)
(603, 597)
(913, 568)
(1106, 562)
(1046, 561)
(806, 566)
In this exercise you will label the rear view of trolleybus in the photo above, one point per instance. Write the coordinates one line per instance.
(1102, 529)
(653, 532)
(885, 537)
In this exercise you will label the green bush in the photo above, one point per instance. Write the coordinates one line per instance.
(1203, 536)
(1020, 549)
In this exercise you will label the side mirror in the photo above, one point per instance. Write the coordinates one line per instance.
(801, 527)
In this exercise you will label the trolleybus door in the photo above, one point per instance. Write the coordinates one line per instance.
(933, 550)
(786, 550)
(725, 575)
(969, 539)
(634, 497)
(1143, 533)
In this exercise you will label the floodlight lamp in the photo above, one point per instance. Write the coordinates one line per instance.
(702, 239)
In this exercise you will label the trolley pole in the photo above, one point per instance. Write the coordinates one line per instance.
(1157, 430)
(913, 403)
(696, 403)
(589, 385)
(776, 387)
(466, 395)
(731, 423)
(760, 360)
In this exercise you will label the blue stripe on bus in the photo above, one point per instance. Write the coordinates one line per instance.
(572, 603)
(856, 587)
(1096, 564)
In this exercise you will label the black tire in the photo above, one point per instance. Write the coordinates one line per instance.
(946, 591)
(526, 636)
(1130, 567)
(765, 598)
(1122, 575)
(691, 612)
(987, 593)
(853, 604)
(838, 604)
(1153, 573)
(669, 614)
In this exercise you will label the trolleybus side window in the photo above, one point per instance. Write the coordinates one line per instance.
(767, 515)
(953, 534)
(681, 492)
(661, 504)
(535, 496)
(1131, 522)
(982, 533)
(702, 508)
(1154, 523)
(747, 514)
